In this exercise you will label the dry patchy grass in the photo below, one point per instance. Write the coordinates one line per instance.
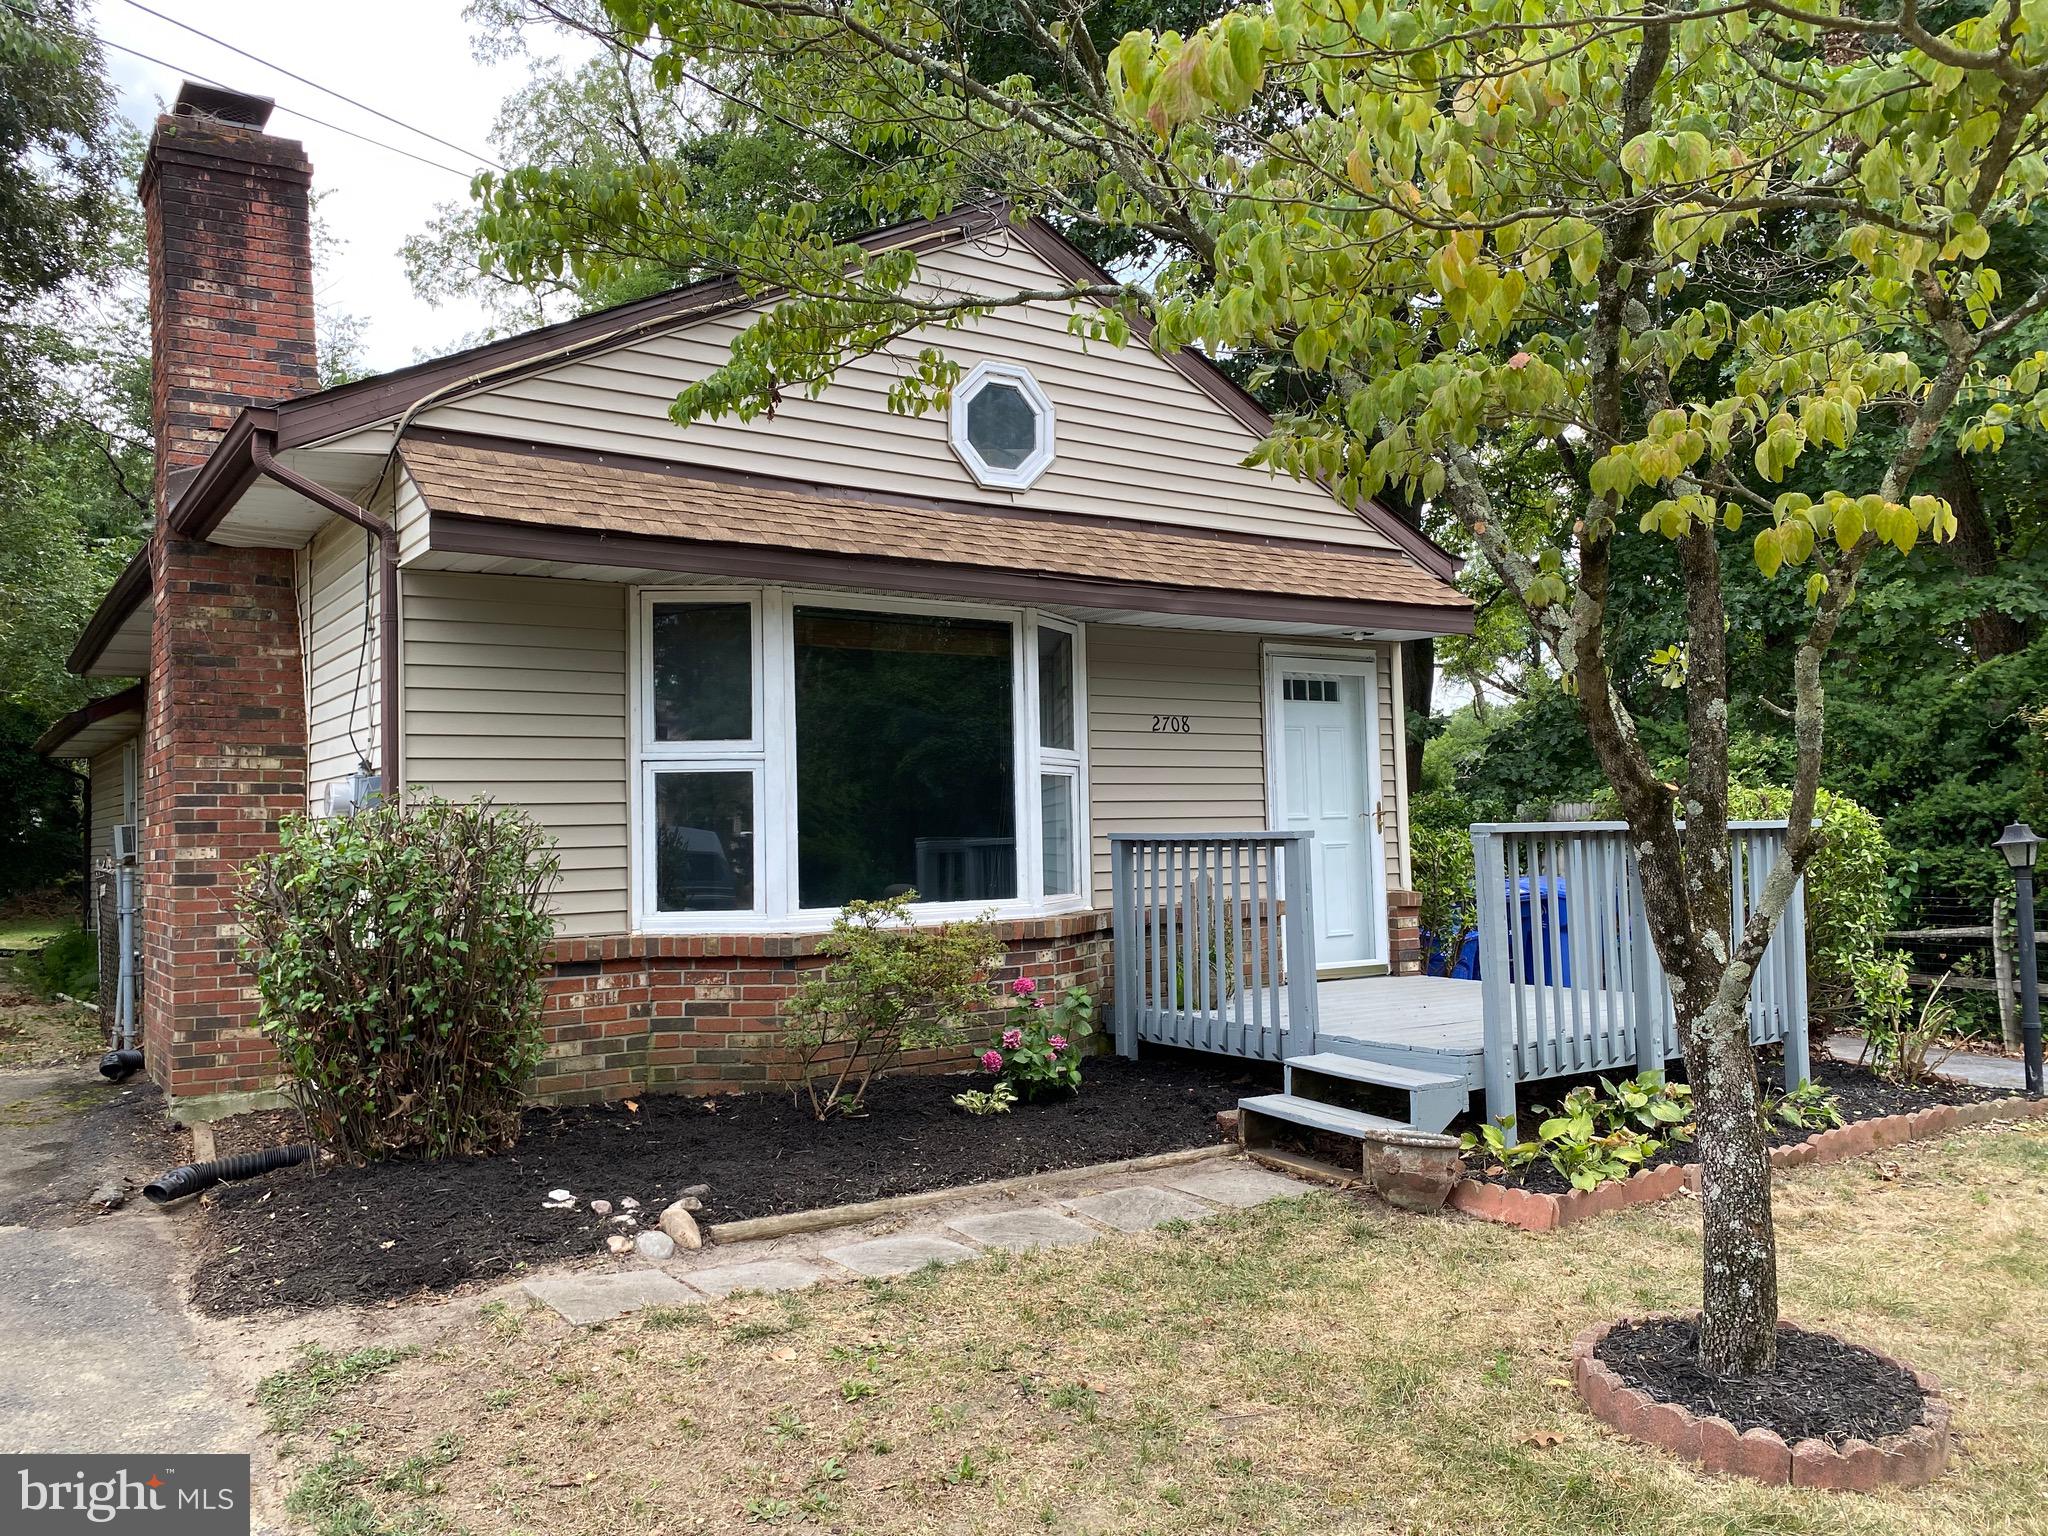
(1323, 1365)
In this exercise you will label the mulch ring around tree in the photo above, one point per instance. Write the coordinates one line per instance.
(305, 1238)
(1860, 1094)
(1822, 1388)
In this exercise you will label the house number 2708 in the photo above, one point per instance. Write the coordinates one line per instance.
(1172, 725)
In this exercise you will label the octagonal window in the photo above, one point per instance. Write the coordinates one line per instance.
(1002, 426)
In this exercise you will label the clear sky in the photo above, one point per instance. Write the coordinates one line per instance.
(409, 58)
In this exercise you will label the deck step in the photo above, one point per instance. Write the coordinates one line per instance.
(1383, 1074)
(1316, 1116)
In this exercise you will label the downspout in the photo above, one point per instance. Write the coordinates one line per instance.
(387, 588)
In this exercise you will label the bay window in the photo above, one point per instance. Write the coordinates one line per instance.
(798, 751)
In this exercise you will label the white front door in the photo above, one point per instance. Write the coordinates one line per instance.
(1327, 786)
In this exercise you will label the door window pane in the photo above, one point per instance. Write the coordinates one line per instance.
(904, 758)
(1056, 819)
(1055, 688)
(704, 842)
(703, 672)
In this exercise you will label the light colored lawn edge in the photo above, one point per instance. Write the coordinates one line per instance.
(829, 1216)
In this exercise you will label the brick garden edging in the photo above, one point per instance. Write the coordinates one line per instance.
(1909, 1460)
(1535, 1212)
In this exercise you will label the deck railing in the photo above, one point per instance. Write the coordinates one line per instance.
(1209, 926)
(1570, 980)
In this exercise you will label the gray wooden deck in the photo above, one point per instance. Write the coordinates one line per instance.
(1411, 1021)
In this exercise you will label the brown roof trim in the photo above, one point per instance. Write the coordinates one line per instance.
(458, 533)
(228, 471)
(717, 475)
(127, 593)
(331, 412)
(348, 407)
(129, 698)
(1201, 371)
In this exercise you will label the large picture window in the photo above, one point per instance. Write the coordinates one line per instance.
(905, 758)
(798, 752)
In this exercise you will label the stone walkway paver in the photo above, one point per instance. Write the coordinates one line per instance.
(1022, 1231)
(1138, 1207)
(597, 1296)
(1082, 1208)
(1239, 1184)
(887, 1258)
(766, 1276)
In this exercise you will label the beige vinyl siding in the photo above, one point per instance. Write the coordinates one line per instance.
(1385, 659)
(515, 688)
(1213, 779)
(1135, 437)
(108, 798)
(339, 640)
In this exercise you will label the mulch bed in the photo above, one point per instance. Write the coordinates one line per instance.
(1821, 1388)
(1859, 1093)
(300, 1238)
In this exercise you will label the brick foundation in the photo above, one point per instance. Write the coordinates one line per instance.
(1404, 933)
(231, 324)
(702, 1015)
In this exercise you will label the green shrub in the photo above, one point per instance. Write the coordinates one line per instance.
(1440, 854)
(1849, 900)
(68, 963)
(398, 955)
(887, 985)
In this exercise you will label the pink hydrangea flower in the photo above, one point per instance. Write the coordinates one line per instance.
(1012, 1038)
(991, 1061)
(1058, 1044)
(1023, 986)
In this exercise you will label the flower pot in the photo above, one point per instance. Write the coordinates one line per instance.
(1415, 1170)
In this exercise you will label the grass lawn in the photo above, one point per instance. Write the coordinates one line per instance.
(1323, 1365)
(30, 930)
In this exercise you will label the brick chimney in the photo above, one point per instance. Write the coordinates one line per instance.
(231, 325)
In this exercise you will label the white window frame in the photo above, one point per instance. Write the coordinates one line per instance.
(1068, 761)
(771, 755)
(979, 377)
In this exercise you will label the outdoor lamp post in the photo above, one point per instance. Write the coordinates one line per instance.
(2019, 845)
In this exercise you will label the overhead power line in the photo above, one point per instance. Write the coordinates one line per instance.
(206, 79)
(325, 90)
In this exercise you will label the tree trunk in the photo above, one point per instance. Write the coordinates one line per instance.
(1974, 550)
(1739, 1281)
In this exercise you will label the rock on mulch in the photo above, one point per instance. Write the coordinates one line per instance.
(1860, 1094)
(1822, 1388)
(302, 1238)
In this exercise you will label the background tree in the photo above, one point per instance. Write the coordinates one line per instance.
(73, 455)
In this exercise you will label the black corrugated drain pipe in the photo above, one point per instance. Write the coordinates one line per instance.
(193, 1177)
